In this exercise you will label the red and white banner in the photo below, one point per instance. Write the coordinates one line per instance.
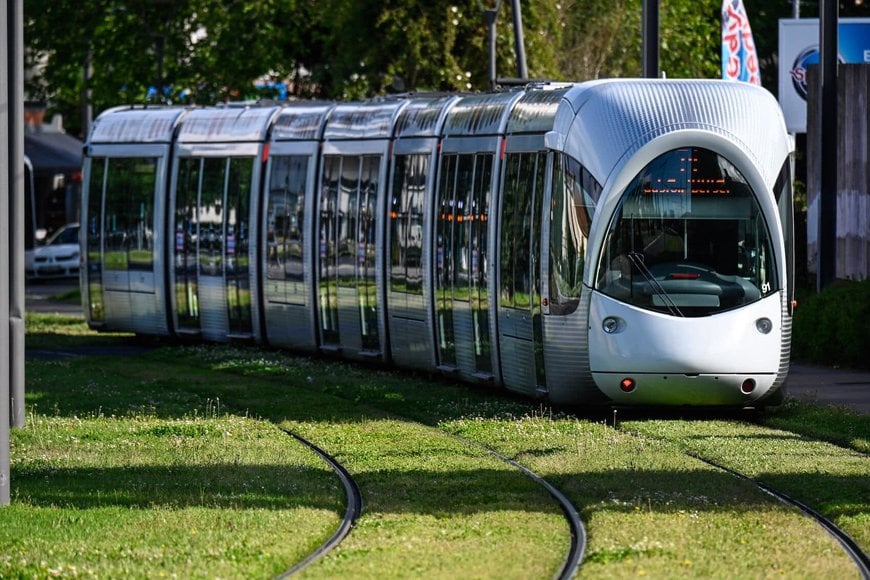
(739, 58)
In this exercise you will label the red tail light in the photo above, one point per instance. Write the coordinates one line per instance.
(627, 384)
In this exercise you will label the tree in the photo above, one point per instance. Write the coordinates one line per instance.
(205, 51)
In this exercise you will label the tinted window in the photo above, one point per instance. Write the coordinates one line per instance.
(575, 193)
(688, 239)
(129, 213)
(406, 223)
(285, 218)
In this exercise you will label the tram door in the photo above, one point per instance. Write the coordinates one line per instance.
(520, 324)
(120, 284)
(461, 264)
(347, 226)
(211, 247)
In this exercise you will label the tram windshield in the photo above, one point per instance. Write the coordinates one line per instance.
(688, 239)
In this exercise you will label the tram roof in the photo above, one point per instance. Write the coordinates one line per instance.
(135, 125)
(632, 112)
(301, 121)
(535, 111)
(424, 116)
(226, 124)
(363, 120)
(484, 114)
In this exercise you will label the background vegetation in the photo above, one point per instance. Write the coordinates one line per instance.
(833, 326)
(110, 52)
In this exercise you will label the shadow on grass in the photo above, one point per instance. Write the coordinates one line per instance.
(234, 486)
(169, 384)
(413, 491)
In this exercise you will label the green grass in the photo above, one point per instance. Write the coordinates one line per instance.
(833, 480)
(839, 426)
(186, 438)
(138, 496)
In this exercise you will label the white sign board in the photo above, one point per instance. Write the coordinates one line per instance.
(799, 48)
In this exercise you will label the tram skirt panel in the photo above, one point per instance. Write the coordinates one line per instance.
(566, 356)
(349, 329)
(518, 365)
(213, 308)
(289, 325)
(464, 337)
(410, 340)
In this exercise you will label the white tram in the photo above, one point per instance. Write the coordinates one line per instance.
(618, 242)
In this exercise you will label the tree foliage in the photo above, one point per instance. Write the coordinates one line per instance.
(205, 51)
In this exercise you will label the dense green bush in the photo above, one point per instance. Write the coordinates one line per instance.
(833, 327)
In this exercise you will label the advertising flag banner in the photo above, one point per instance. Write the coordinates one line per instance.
(739, 58)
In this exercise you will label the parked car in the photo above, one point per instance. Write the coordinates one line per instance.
(57, 258)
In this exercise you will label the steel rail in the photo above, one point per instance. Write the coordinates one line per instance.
(574, 558)
(351, 513)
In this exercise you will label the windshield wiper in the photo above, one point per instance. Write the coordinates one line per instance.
(637, 259)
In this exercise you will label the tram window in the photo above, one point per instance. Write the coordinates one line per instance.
(575, 193)
(94, 229)
(688, 239)
(129, 213)
(328, 299)
(237, 243)
(406, 223)
(461, 223)
(523, 183)
(348, 216)
(211, 208)
(186, 236)
(238, 209)
(286, 213)
(785, 202)
(365, 257)
(479, 223)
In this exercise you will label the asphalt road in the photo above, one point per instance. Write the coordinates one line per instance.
(38, 296)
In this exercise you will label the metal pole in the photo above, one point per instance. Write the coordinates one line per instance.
(519, 42)
(650, 33)
(490, 16)
(795, 8)
(16, 212)
(87, 93)
(5, 139)
(828, 35)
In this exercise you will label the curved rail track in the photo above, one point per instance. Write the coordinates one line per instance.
(351, 513)
(578, 531)
(569, 567)
(855, 553)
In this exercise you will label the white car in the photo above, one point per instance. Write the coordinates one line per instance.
(58, 258)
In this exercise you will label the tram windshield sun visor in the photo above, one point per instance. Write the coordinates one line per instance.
(688, 239)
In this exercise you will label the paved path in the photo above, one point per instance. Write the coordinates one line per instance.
(37, 297)
(829, 386)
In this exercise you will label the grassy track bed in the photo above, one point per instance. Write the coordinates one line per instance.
(833, 480)
(648, 508)
(432, 502)
(435, 504)
(140, 496)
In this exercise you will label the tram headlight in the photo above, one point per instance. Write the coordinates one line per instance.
(764, 325)
(612, 325)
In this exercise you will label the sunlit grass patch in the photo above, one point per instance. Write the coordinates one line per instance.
(835, 424)
(436, 504)
(651, 510)
(194, 496)
(833, 480)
